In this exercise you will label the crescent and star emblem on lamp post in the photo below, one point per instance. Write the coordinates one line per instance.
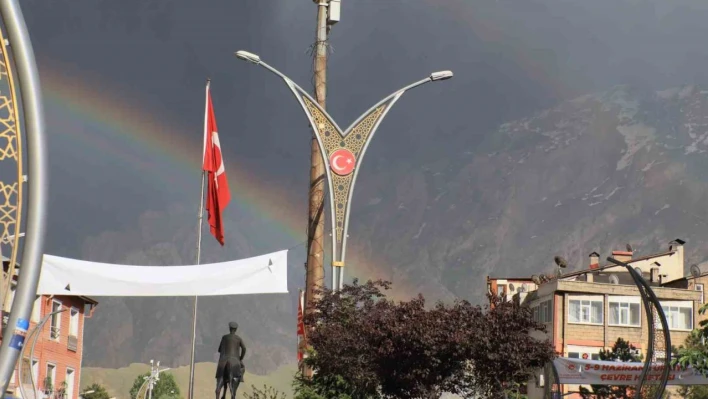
(342, 151)
(342, 162)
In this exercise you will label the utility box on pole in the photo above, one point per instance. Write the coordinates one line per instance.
(335, 11)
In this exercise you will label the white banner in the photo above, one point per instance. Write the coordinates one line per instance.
(265, 274)
(595, 372)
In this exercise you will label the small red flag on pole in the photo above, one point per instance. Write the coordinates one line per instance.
(218, 195)
(300, 326)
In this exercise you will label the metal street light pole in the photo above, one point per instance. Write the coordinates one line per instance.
(342, 152)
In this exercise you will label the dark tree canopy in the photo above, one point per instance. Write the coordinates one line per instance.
(365, 346)
(505, 355)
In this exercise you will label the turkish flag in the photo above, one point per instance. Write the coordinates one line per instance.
(218, 195)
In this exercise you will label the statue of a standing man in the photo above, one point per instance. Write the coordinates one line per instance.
(230, 370)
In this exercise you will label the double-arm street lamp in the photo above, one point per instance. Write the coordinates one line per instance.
(342, 152)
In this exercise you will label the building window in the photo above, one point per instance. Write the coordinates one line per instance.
(26, 371)
(535, 314)
(625, 311)
(74, 322)
(50, 378)
(69, 383)
(37, 310)
(55, 326)
(585, 310)
(500, 290)
(699, 287)
(546, 311)
(679, 314)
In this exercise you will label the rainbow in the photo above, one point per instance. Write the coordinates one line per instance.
(93, 117)
(493, 35)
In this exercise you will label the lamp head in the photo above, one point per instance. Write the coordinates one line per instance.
(440, 75)
(250, 57)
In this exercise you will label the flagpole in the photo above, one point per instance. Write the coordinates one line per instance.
(199, 253)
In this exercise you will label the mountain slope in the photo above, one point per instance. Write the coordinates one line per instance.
(586, 175)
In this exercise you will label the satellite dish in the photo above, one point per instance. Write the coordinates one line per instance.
(614, 279)
(524, 287)
(629, 248)
(536, 280)
(695, 271)
(639, 270)
(560, 261)
(511, 287)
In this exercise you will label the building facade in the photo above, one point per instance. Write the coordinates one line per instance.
(56, 363)
(587, 311)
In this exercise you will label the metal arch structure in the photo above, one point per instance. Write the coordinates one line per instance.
(654, 311)
(21, 57)
(331, 139)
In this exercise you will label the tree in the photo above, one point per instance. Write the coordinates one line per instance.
(99, 392)
(165, 388)
(266, 393)
(621, 351)
(694, 355)
(366, 346)
(694, 343)
(504, 353)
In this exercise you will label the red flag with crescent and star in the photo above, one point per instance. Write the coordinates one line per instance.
(218, 195)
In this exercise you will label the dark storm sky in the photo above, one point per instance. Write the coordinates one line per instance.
(510, 58)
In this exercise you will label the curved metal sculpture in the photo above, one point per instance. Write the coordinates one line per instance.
(654, 313)
(23, 59)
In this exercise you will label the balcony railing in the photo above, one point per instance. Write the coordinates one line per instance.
(73, 343)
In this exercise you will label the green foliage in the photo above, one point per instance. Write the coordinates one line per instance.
(165, 388)
(267, 392)
(694, 353)
(686, 355)
(99, 392)
(368, 347)
(48, 384)
(621, 351)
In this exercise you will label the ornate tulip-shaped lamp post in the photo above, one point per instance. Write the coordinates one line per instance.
(342, 152)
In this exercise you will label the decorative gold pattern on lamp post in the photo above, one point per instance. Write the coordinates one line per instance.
(333, 140)
(10, 160)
